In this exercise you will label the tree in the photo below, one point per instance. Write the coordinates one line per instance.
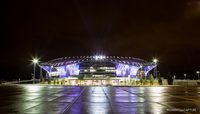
(63, 81)
(145, 81)
(151, 79)
(54, 81)
(58, 81)
(80, 77)
(160, 80)
(43, 81)
(141, 80)
(49, 81)
(170, 80)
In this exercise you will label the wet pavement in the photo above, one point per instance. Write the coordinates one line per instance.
(39, 99)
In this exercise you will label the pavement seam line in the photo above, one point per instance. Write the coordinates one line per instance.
(71, 103)
(110, 101)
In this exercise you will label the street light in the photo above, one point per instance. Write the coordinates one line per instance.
(155, 69)
(35, 61)
(155, 61)
(185, 76)
(198, 74)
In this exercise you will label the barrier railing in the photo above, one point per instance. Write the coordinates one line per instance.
(23, 82)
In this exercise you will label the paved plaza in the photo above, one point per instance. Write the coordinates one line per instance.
(39, 99)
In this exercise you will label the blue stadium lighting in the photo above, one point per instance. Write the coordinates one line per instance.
(112, 66)
(125, 70)
(148, 68)
(73, 69)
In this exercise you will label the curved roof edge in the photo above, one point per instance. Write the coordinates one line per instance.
(79, 59)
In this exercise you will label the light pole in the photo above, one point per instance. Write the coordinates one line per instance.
(174, 79)
(41, 76)
(198, 74)
(35, 61)
(155, 69)
(185, 76)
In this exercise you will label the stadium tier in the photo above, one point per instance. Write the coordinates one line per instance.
(97, 67)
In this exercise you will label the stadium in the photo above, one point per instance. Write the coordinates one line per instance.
(98, 68)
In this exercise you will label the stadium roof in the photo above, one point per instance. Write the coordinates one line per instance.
(80, 59)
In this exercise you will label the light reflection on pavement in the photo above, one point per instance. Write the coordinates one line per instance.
(39, 99)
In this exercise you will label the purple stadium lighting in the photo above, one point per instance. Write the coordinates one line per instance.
(105, 65)
(72, 69)
(126, 70)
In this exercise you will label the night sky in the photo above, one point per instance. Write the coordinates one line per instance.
(166, 29)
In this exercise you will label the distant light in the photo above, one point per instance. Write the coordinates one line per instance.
(197, 72)
(155, 60)
(92, 70)
(35, 61)
(126, 66)
(99, 57)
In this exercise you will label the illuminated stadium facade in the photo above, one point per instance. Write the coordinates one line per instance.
(95, 67)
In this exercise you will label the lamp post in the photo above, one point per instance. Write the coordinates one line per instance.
(35, 61)
(41, 76)
(198, 74)
(155, 69)
(185, 76)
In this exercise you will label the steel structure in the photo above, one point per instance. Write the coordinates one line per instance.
(96, 66)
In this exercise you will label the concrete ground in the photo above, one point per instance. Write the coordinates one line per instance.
(42, 99)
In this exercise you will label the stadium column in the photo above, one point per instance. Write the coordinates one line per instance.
(41, 76)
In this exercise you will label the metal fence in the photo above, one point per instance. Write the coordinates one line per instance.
(23, 82)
